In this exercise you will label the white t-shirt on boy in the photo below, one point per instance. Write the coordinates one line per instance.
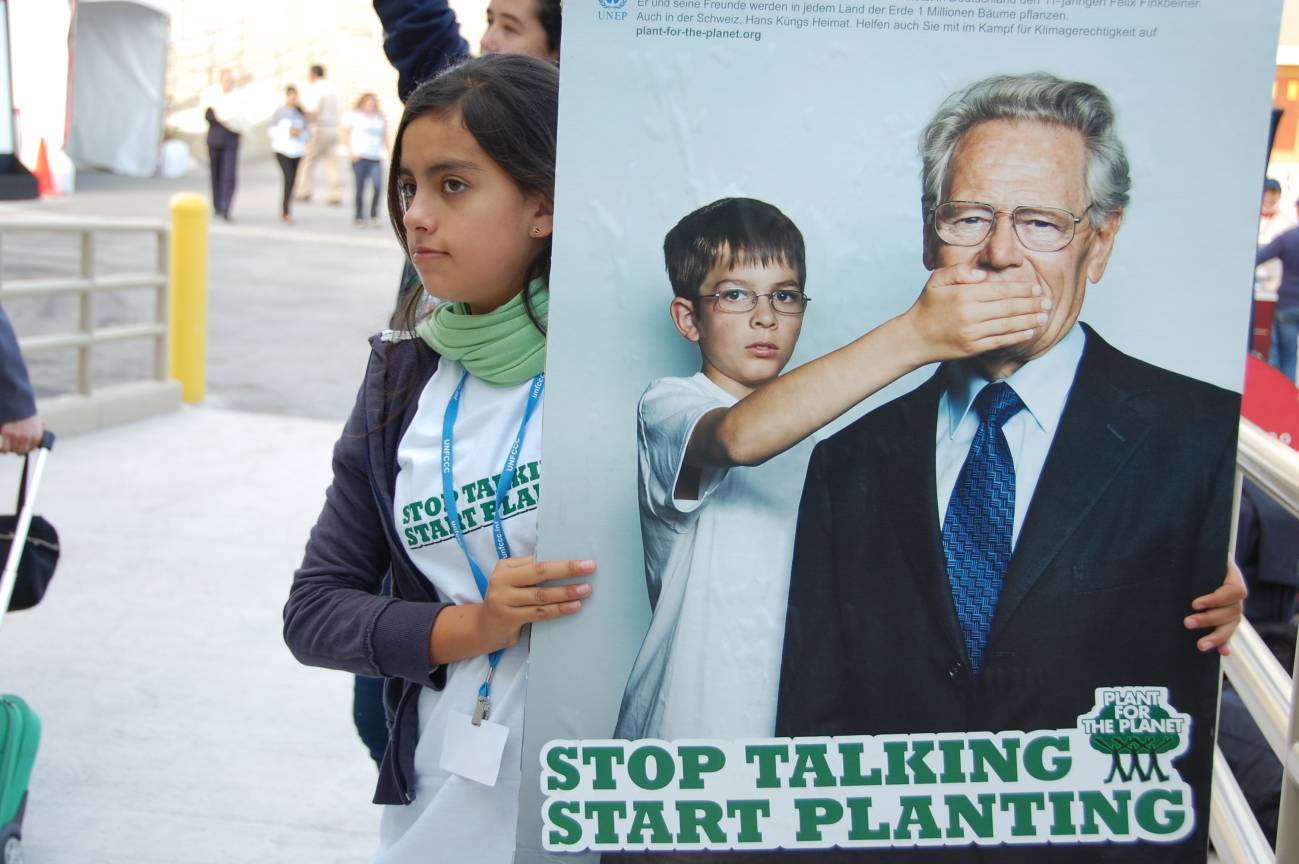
(717, 568)
(453, 816)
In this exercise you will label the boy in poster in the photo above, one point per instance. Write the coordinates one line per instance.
(926, 592)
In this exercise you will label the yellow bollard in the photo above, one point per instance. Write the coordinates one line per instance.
(188, 360)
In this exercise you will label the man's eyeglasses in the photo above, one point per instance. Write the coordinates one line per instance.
(786, 301)
(1040, 229)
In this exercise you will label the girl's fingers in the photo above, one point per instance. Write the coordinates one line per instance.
(538, 596)
(538, 604)
(558, 610)
(523, 572)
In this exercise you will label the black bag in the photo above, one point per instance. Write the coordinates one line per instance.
(40, 551)
(36, 567)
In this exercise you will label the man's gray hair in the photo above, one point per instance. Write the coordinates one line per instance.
(1037, 96)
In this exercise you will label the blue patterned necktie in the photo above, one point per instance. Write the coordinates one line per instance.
(980, 518)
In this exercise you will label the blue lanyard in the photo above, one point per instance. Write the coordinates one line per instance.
(503, 484)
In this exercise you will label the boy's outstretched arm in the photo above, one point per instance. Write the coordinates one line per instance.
(958, 314)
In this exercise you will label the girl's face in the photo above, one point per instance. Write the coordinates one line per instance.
(471, 232)
(513, 28)
(368, 105)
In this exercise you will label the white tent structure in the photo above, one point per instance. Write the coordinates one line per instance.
(38, 56)
(119, 73)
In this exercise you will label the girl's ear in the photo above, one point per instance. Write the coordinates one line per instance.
(683, 316)
(543, 219)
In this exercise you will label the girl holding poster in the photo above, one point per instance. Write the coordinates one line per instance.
(437, 474)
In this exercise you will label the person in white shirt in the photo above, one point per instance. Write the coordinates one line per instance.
(1273, 221)
(320, 102)
(288, 131)
(365, 134)
(223, 109)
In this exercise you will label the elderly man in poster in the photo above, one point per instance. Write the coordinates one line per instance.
(1024, 527)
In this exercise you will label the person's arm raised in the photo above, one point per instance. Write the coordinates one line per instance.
(958, 314)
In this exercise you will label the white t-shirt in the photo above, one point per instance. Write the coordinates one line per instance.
(451, 818)
(284, 123)
(365, 133)
(229, 107)
(718, 574)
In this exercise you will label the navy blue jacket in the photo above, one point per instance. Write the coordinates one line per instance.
(420, 37)
(334, 616)
(16, 400)
(1286, 247)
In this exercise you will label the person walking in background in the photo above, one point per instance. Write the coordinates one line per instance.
(223, 110)
(1285, 321)
(365, 135)
(288, 131)
(1273, 221)
(320, 102)
(20, 426)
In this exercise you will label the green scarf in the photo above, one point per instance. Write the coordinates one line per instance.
(501, 347)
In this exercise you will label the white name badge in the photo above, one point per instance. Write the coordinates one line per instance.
(473, 752)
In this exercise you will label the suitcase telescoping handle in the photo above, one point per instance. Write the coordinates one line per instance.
(33, 468)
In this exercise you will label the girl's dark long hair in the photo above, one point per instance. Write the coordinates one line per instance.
(510, 104)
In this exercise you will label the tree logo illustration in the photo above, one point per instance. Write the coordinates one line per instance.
(1136, 726)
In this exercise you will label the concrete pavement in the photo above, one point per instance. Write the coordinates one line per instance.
(177, 726)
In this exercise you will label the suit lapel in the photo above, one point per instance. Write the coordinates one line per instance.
(908, 465)
(1099, 430)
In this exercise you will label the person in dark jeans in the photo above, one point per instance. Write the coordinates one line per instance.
(365, 132)
(223, 112)
(288, 131)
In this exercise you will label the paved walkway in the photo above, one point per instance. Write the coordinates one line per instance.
(177, 726)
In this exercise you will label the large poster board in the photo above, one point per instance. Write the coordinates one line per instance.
(1089, 718)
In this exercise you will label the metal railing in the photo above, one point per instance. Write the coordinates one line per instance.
(87, 284)
(1266, 689)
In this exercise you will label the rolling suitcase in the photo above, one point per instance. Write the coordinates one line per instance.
(20, 733)
(20, 728)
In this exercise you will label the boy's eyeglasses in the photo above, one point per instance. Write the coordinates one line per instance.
(1040, 229)
(786, 301)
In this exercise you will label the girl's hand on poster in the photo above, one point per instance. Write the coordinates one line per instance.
(960, 313)
(1220, 610)
(516, 595)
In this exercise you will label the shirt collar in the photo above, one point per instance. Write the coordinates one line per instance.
(1042, 384)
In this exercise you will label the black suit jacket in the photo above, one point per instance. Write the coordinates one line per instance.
(1129, 522)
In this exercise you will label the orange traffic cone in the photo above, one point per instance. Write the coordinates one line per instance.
(44, 179)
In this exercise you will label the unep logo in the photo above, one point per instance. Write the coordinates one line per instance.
(611, 10)
(612, 4)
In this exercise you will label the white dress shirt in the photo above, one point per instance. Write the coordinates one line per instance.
(1043, 386)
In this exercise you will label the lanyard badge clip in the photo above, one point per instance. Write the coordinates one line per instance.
(482, 710)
